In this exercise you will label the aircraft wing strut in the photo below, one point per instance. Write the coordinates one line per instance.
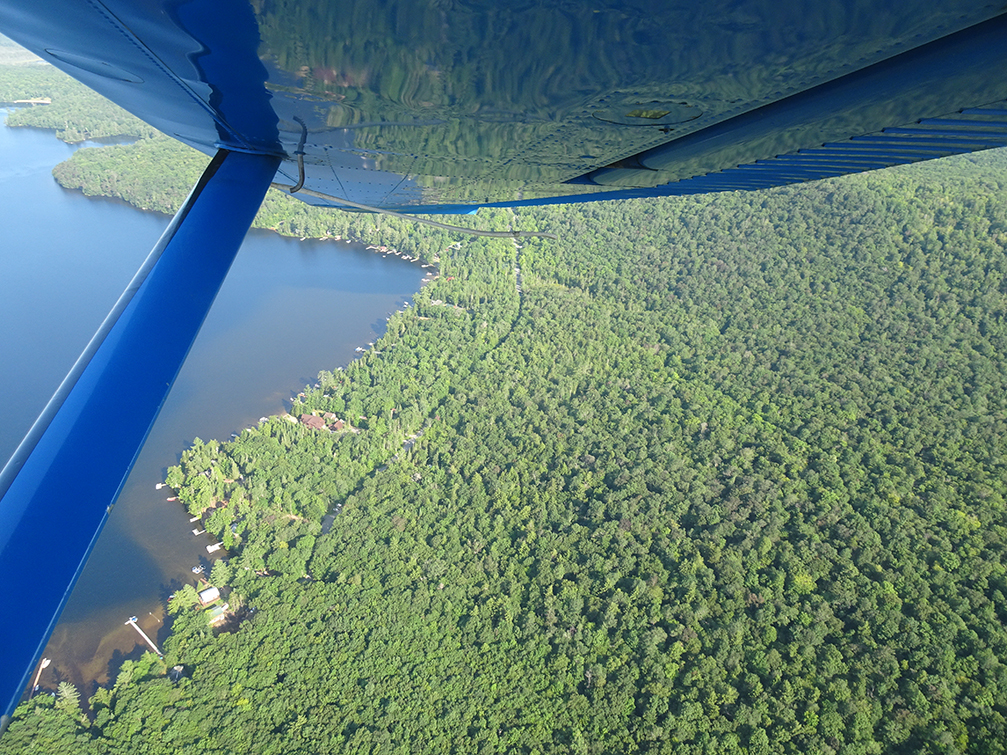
(60, 485)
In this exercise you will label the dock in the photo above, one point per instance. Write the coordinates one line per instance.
(132, 622)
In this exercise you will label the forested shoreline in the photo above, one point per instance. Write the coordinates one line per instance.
(726, 475)
(75, 113)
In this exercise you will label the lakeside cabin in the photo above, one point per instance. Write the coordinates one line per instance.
(310, 420)
(327, 422)
(209, 595)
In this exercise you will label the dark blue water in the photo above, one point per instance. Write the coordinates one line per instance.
(287, 310)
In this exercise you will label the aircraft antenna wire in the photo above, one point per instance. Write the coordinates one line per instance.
(300, 155)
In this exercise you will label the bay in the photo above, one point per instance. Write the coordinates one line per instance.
(288, 309)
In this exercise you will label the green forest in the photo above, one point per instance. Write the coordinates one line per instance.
(75, 113)
(724, 474)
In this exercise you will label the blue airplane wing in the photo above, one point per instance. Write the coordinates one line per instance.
(434, 106)
(424, 105)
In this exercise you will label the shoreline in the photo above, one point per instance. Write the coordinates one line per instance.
(127, 139)
(98, 672)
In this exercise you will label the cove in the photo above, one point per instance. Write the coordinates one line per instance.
(288, 309)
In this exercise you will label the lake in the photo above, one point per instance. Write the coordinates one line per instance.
(287, 310)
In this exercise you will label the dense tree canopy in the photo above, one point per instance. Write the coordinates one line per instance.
(76, 113)
(725, 475)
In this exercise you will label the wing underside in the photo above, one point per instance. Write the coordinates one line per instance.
(442, 107)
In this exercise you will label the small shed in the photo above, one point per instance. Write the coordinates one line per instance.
(216, 615)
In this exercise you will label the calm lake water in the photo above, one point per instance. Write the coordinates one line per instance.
(287, 310)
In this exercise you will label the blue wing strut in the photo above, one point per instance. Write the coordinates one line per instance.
(93, 428)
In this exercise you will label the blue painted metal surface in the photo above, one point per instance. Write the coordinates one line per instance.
(928, 85)
(422, 106)
(60, 486)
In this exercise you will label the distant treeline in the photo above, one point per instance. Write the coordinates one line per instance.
(726, 476)
(156, 174)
